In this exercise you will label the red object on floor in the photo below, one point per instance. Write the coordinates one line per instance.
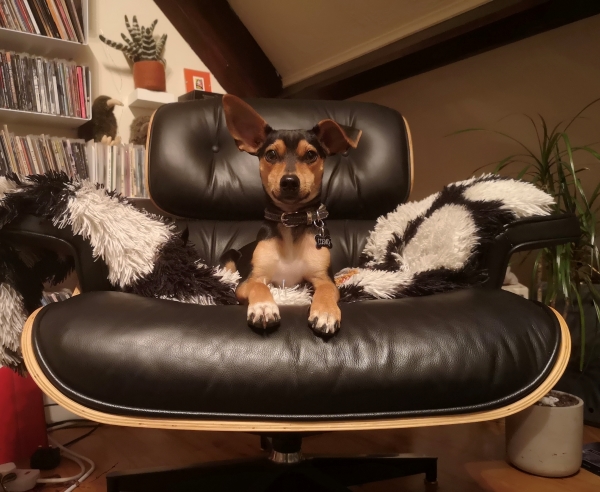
(22, 420)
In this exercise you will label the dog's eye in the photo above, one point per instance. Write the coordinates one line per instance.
(310, 156)
(271, 156)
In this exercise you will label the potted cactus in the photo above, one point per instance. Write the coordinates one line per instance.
(145, 52)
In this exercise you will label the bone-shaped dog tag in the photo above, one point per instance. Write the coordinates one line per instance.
(322, 238)
(323, 241)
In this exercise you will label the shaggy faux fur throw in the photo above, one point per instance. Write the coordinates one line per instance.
(421, 248)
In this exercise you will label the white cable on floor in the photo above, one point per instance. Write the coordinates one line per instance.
(76, 460)
(72, 455)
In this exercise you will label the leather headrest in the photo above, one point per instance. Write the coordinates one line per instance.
(196, 171)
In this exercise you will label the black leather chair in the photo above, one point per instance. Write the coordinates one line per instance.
(464, 356)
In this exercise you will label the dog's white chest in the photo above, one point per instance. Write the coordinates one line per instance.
(289, 273)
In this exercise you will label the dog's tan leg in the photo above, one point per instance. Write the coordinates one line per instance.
(325, 315)
(262, 310)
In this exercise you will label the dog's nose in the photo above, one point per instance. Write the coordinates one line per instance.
(289, 183)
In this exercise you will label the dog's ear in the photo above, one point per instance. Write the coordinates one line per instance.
(336, 138)
(246, 126)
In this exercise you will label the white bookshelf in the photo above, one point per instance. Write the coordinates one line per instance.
(31, 38)
(36, 44)
(52, 121)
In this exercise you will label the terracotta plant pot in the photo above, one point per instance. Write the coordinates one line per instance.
(149, 75)
(546, 441)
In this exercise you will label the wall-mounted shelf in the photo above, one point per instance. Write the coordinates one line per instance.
(24, 42)
(143, 98)
(37, 44)
(14, 116)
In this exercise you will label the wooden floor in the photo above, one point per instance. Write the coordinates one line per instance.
(470, 455)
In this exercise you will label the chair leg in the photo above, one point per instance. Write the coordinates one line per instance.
(227, 476)
(332, 474)
(265, 443)
(322, 479)
(286, 470)
(366, 469)
(253, 475)
(431, 471)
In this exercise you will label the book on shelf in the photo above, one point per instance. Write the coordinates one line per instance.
(40, 85)
(37, 154)
(120, 168)
(61, 19)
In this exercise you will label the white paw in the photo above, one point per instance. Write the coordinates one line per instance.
(263, 315)
(324, 323)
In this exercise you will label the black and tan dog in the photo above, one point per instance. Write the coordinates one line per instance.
(293, 245)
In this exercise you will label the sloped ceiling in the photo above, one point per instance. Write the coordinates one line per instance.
(305, 37)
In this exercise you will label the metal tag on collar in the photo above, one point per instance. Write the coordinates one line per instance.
(322, 238)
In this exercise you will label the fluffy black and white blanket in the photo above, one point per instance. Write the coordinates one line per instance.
(434, 245)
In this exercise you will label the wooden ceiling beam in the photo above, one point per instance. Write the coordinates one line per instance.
(482, 29)
(222, 42)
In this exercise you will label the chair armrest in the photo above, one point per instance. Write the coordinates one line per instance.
(37, 232)
(526, 234)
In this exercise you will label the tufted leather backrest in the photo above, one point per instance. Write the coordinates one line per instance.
(213, 237)
(196, 171)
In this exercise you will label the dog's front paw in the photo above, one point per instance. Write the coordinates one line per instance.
(263, 315)
(325, 322)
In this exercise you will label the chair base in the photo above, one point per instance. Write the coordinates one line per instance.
(284, 470)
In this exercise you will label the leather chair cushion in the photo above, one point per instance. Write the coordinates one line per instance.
(459, 352)
(196, 171)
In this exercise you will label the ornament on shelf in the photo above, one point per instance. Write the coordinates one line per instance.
(103, 122)
(145, 52)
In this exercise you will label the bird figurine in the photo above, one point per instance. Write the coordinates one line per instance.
(103, 123)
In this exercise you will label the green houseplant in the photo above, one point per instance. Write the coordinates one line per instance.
(566, 277)
(146, 54)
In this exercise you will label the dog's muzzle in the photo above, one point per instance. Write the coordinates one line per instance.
(289, 186)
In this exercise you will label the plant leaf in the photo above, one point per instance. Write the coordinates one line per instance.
(582, 327)
(579, 114)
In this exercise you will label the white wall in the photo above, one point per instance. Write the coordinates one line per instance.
(555, 74)
(112, 75)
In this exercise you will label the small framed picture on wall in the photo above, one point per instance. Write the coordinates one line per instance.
(195, 80)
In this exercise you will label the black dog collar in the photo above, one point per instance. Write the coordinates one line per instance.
(296, 219)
